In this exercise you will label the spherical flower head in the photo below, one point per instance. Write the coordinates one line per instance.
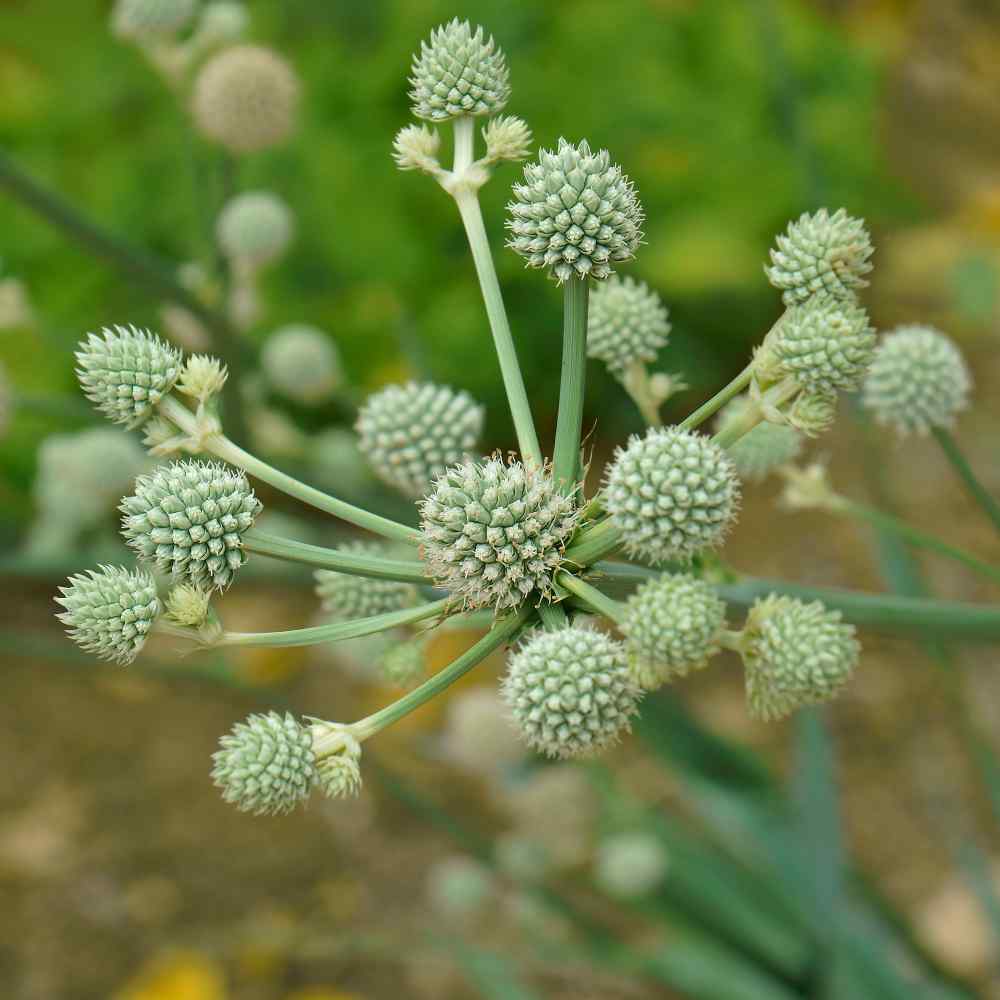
(221, 23)
(266, 764)
(825, 344)
(458, 72)
(404, 663)
(570, 691)
(345, 596)
(575, 214)
(203, 377)
(918, 381)
(821, 253)
(109, 611)
(494, 533)
(795, 654)
(151, 20)
(458, 886)
(188, 605)
(302, 363)
(411, 434)
(761, 450)
(125, 372)
(246, 99)
(627, 323)
(255, 227)
(338, 760)
(672, 494)
(507, 138)
(478, 737)
(671, 627)
(189, 518)
(629, 865)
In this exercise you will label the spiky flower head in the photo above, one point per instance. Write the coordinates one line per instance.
(110, 611)
(151, 20)
(255, 226)
(412, 433)
(761, 450)
(404, 663)
(575, 214)
(672, 494)
(570, 691)
(495, 532)
(188, 605)
(795, 654)
(671, 627)
(345, 596)
(125, 372)
(812, 412)
(266, 764)
(203, 377)
(630, 864)
(821, 253)
(338, 760)
(458, 72)
(189, 518)
(415, 147)
(918, 381)
(246, 99)
(627, 323)
(507, 138)
(302, 363)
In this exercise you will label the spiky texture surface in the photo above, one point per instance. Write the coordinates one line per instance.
(672, 494)
(255, 226)
(411, 434)
(458, 72)
(189, 518)
(404, 663)
(570, 691)
(795, 654)
(918, 381)
(302, 363)
(338, 774)
(151, 20)
(266, 764)
(109, 611)
(495, 533)
(187, 605)
(575, 214)
(812, 412)
(507, 138)
(627, 323)
(345, 596)
(125, 372)
(629, 865)
(761, 450)
(821, 253)
(671, 627)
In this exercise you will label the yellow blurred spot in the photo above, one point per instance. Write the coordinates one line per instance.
(183, 975)
(322, 993)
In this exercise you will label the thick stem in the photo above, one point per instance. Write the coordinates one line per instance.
(553, 616)
(591, 597)
(569, 424)
(597, 542)
(961, 465)
(719, 400)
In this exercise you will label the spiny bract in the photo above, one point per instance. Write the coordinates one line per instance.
(110, 611)
(125, 372)
(494, 533)
(255, 226)
(671, 627)
(459, 72)
(672, 494)
(762, 449)
(795, 654)
(151, 20)
(302, 363)
(412, 433)
(570, 691)
(821, 253)
(265, 764)
(918, 381)
(189, 518)
(627, 323)
(345, 596)
(576, 213)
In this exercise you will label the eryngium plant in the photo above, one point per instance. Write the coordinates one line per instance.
(513, 537)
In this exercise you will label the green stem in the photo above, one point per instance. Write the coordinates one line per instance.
(502, 631)
(566, 455)
(593, 543)
(355, 563)
(636, 382)
(748, 420)
(591, 596)
(961, 465)
(553, 616)
(337, 631)
(719, 400)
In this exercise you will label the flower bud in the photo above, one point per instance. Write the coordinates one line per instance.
(255, 227)
(302, 363)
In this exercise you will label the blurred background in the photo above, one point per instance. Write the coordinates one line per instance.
(852, 853)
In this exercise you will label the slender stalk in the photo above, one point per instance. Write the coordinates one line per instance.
(637, 384)
(961, 465)
(355, 563)
(719, 400)
(220, 446)
(591, 596)
(593, 543)
(566, 455)
(337, 631)
(502, 631)
(740, 428)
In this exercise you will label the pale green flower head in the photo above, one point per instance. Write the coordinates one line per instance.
(345, 596)
(203, 377)
(627, 323)
(222, 23)
(338, 772)
(629, 865)
(459, 886)
(763, 449)
(415, 147)
(404, 663)
(302, 363)
(151, 20)
(188, 605)
(507, 138)
(812, 412)
(255, 226)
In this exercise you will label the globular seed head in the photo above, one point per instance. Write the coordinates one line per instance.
(821, 253)
(151, 20)
(918, 381)
(459, 71)
(411, 434)
(345, 596)
(494, 533)
(570, 691)
(189, 518)
(575, 213)
(671, 627)
(109, 611)
(125, 372)
(627, 323)
(672, 494)
(302, 363)
(266, 765)
(255, 226)
(761, 450)
(795, 654)
(629, 865)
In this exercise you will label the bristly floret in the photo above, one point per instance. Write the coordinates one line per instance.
(125, 372)
(495, 532)
(627, 323)
(459, 72)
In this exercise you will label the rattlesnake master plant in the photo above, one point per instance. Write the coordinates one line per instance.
(628, 323)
